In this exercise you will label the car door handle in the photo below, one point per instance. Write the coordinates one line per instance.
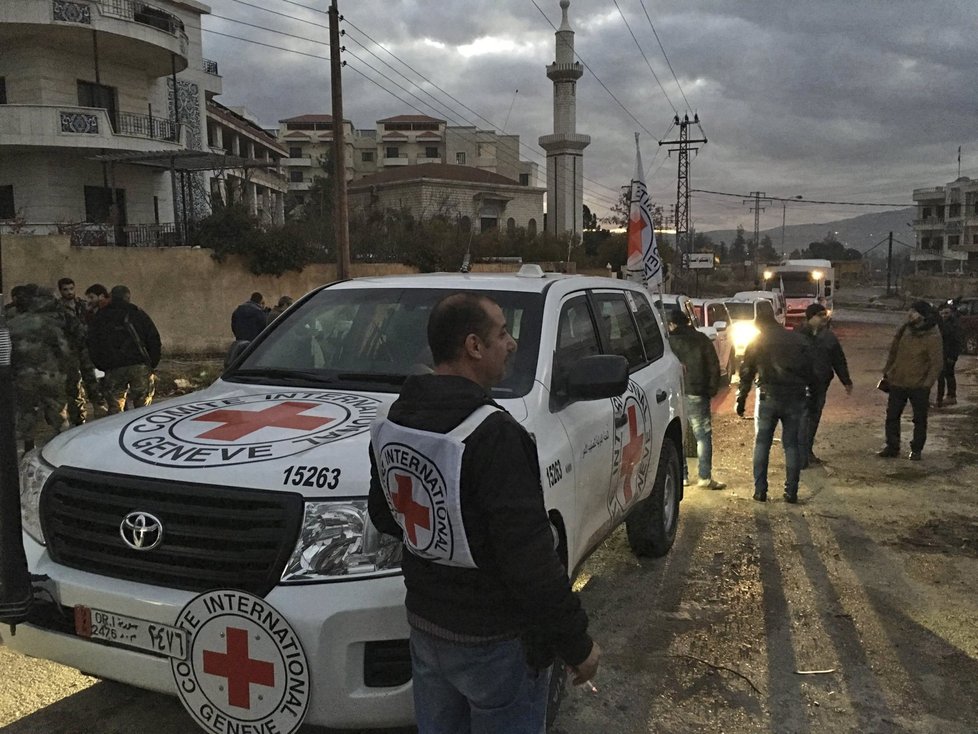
(621, 419)
(660, 395)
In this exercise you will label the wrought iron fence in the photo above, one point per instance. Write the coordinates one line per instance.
(130, 235)
(141, 12)
(210, 67)
(144, 126)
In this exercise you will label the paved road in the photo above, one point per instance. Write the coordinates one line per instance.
(870, 577)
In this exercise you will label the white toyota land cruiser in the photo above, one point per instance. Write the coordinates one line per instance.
(217, 546)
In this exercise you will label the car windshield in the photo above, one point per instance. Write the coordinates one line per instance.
(373, 338)
(798, 285)
(741, 310)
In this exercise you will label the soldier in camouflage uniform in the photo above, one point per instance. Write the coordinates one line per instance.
(40, 333)
(125, 344)
(79, 369)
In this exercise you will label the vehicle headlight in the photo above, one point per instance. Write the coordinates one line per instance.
(34, 474)
(744, 333)
(338, 539)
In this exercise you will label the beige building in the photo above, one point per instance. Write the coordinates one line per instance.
(947, 227)
(477, 199)
(403, 140)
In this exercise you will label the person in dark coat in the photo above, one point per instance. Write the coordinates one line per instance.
(701, 378)
(913, 365)
(781, 361)
(830, 361)
(124, 343)
(249, 319)
(952, 338)
(457, 479)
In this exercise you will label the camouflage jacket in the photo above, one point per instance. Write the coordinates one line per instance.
(43, 335)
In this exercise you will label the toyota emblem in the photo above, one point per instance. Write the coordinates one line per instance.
(141, 531)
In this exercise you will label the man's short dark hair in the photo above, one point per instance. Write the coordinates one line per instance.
(452, 319)
(97, 289)
(677, 317)
(120, 293)
(815, 309)
(64, 281)
(256, 297)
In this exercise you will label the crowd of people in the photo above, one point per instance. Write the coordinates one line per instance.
(792, 371)
(58, 341)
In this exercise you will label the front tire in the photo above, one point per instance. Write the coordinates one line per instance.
(652, 525)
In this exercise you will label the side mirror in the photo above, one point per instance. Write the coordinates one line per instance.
(720, 325)
(596, 377)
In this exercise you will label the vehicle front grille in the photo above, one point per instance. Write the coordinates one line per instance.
(213, 537)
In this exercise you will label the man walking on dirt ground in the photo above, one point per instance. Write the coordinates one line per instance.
(491, 609)
(830, 360)
(951, 338)
(914, 363)
(781, 361)
(701, 377)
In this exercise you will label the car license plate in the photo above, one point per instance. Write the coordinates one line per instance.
(119, 629)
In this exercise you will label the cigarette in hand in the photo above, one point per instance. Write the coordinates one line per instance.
(591, 686)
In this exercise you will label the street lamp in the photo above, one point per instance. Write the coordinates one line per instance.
(784, 208)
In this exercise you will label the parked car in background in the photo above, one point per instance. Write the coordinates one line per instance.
(712, 313)
(776, 298)
(669, 302)
(968, 319)
(743, 316)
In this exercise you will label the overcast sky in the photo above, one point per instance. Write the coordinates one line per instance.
(862, 100)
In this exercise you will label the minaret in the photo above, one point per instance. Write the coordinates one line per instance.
(565, 148)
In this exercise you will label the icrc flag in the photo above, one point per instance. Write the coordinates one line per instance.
(643, 263)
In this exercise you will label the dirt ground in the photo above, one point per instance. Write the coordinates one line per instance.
(853, 611)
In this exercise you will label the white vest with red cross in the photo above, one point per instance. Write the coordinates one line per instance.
(421, 472)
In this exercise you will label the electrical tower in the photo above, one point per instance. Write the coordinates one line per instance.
(683, 242)
(756, 198)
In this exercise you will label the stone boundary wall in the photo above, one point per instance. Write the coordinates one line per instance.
(189, 295)
(946, 286)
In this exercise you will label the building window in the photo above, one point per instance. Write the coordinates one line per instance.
(393, 151)
(98, 205)
(487, 223)
(3, 90)
(531, 228)
(295, 176)
(974, 238)
(511, 226)
(524, 179)
(7, 210)
(295, 151)
(465, 224)
(460, 159)
(926, 212)
(367, 156)
(98, 95)
(954, 210)
(953, 240)
(431, 152)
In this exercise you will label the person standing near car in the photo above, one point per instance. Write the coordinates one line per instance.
(830, 360)
(951, 338)
(125, 344)
(250, 318)
(781, 360)
(489, 604)
(701, 378)
(915, 361)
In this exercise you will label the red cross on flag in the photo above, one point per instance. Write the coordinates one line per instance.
(644, 263)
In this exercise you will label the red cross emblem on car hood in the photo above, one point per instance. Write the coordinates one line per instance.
(237, 424)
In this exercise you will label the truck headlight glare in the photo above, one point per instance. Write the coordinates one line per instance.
(34, 474)
(744, 333)
(338, 539)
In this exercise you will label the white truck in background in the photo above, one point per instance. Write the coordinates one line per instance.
(803, 282)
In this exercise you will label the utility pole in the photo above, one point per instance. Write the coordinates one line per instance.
(756, 198)
(340, 213)
(683, 241)
(889, 262)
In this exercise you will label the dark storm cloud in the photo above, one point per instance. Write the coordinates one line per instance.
(857, 100)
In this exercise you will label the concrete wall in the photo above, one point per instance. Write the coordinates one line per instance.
(924, 286)
(188, 294)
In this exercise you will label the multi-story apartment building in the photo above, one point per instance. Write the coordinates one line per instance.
(403, 140)
(947, 227)
(104, 119)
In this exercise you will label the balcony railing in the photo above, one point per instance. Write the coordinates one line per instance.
(130, 235)
(210, 67)
(144, 126)
(140, 12)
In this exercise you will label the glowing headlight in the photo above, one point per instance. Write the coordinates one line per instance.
(744, 333)
(338, 539)
(34, 473)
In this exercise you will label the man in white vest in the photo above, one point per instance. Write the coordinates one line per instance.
(457, 479)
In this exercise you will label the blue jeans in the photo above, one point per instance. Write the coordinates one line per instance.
(482, 689)
(790, 411)
(701, 424)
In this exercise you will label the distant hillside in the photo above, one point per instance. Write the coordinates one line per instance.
(860, 232)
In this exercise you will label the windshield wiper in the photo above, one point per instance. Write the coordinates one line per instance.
(280, 374)
(386, 378)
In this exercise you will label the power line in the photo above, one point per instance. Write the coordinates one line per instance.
(666, 57)
(603, 86)
(801, 201)
(271, 30)
(266, 45)
(637, 44)
(284, 15)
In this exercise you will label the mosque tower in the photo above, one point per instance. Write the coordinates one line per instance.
(565, 148)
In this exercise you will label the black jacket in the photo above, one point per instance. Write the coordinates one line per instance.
(782, 362)
(248, 321)
(112, 344)
(520, 586)
(952, 337)
(702, 368)
(829, 359)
